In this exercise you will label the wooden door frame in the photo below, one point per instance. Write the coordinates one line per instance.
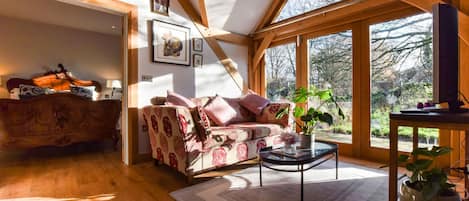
(129, 120)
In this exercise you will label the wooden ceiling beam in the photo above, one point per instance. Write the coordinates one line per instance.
(227, 63)
(261, 49)
(397, 8)
(315, 17)
(203, 13)
(272, 12)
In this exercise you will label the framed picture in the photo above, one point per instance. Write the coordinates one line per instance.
(198, 60)
(197, 44)
(160, 6)
(170, 43)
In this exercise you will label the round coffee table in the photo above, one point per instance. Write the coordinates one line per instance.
(319, 153)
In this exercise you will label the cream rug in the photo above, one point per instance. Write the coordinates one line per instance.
(355, 183)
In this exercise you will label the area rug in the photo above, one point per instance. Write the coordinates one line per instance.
(355, 183)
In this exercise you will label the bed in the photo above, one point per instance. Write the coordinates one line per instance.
(56, 119)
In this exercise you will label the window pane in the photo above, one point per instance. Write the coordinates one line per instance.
(330, 66)
(297, 7)
(401, 74)
(280, 72)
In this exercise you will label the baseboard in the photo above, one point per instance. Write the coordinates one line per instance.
(140, 158)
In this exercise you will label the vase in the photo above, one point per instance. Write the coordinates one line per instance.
(307, 141)
(409, 194)
(289, 149)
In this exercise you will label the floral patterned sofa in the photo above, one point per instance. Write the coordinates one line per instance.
(176, 141)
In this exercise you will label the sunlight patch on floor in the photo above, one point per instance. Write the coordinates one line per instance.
(101, 197)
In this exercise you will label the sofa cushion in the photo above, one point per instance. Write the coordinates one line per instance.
(219, 111)
(201, 101)
(254, 103)
(201, 121)
(242, 114)
(158, 100)
(225, 136)
(174, 98)
(259, 130)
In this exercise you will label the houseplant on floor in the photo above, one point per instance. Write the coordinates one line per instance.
(314, 114)
(428, 182)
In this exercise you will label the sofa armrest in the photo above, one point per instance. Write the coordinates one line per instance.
(173, 136)
(269, 112)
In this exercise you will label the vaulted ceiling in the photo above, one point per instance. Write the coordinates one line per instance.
(238, 16)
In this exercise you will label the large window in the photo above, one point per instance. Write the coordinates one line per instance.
(297, 7)
(280, 72)
(401, 76)
(330, 66)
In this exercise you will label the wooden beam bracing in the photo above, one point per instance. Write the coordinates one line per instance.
(261, 49)
(203, 13)
(316, 17)
(272, 12)
(229, 65)
(397, 8)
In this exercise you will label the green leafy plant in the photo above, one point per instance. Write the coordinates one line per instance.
(311, 116)
(426, 177)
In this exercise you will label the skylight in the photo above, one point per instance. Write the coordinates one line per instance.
(297, 7)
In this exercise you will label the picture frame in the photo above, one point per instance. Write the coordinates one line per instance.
(198, 60)
(197, 44)
(170, 43)
(160, 6)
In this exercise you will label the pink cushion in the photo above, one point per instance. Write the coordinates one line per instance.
(174, 98)
(219, 111)
(254, 103)
(242, 114)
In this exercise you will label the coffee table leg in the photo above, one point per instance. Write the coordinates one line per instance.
(260, 173)
(301, 182)
(336, 165)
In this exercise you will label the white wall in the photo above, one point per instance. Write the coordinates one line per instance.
(29, 48)
(210, 79)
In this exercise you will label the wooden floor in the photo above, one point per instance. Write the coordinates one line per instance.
(93, 171)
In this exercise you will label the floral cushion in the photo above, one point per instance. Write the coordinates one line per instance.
(82, 91)
(269, 113)
(201, 121)
(28, 91)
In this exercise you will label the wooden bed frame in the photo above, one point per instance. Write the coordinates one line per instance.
(57, 119)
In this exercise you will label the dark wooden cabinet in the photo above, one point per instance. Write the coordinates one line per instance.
(56, 120)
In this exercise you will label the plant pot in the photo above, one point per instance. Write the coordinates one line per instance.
(307, 141)
(407, 193)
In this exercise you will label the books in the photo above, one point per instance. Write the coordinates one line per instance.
(298, 153)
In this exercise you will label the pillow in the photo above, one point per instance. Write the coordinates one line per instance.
(177, 99)
(29, 91)
(219, 111)
(15, 93)
(254, 103)
(242, 114)
(81, 91)
(158, 100)
(201, 121)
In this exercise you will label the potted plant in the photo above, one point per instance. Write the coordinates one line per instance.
(313, 115)
(427, 182)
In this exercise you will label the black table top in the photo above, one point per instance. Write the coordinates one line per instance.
(321, 149)
(444, 117)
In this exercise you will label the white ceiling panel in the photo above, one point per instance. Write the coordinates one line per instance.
(239, 16)
(62, 14)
